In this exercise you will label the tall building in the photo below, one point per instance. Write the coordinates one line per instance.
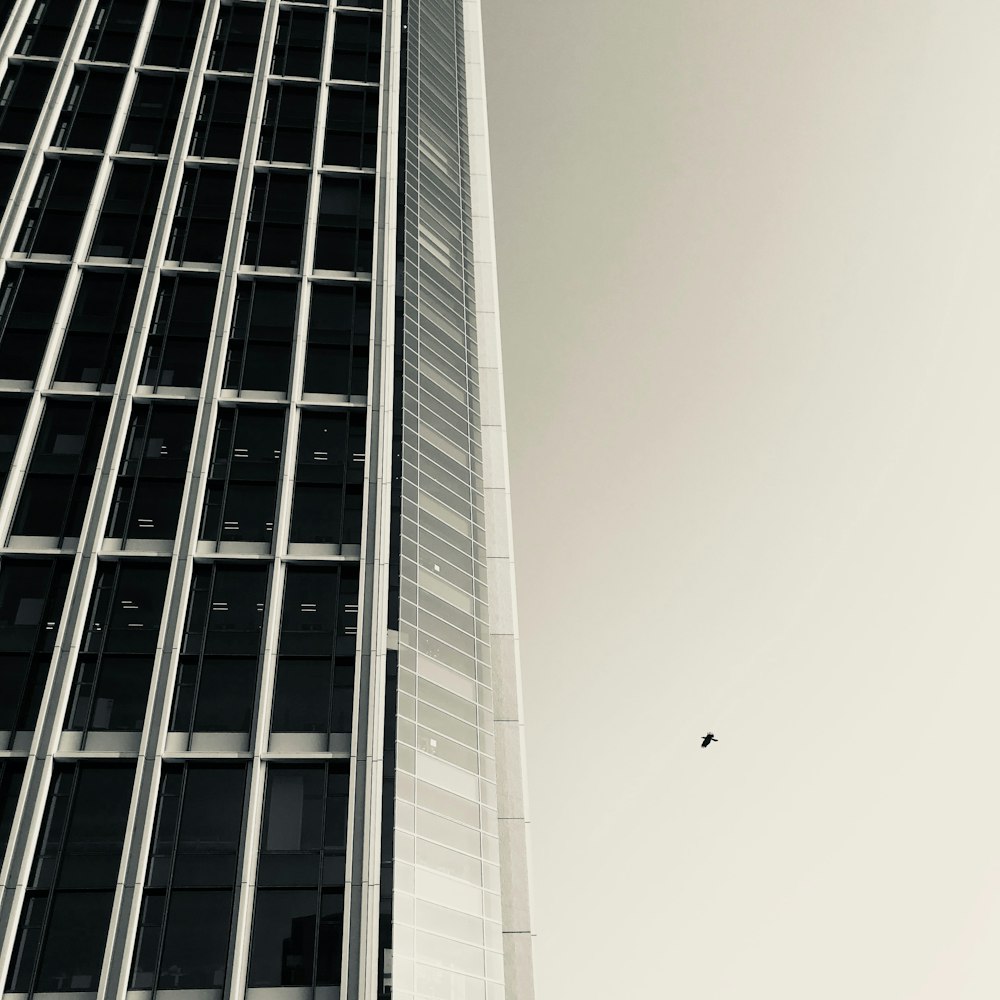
(260, 720)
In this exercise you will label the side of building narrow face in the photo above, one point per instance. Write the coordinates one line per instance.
(260, 714)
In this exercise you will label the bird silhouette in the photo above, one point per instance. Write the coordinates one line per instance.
(708, 738)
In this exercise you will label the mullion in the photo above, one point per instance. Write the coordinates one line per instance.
(168, 889)
(77, 475)
(196, 691)
(26, 684)
(138, 473)
(105, 630)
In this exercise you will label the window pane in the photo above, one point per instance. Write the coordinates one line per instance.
(196, 939)
(284, 938)
(28, 300)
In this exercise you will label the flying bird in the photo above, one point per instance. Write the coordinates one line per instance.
(708, 738)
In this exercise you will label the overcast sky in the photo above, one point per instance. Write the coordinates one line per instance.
(750, 286)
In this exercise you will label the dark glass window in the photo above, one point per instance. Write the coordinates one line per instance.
(243, 477)
(151, 477)
(11, 778)
(357, 47)
(85, 119)
(47, 28)
(351, 128)
(152, 117)
(222, 117)
(237, 37)
(314, 686)
(12, 411)
(22, 97)
(298, 920)
(202, 220)
(32, 592)
(175, 29)
(344, 234)
(67, 909)
(116, 657)
(287, 130)
(217, 675)
(113, 31)
(337, 346)
(55, 212)
(184, 923)
(95, 337)
(260, 342)
(28, 300)
(57, 485)
(298, 44)
(178, 337)
(10, 165)
(329, 478)
(126, 220)
(276, 220)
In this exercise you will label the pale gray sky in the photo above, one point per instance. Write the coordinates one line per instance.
(750, 280)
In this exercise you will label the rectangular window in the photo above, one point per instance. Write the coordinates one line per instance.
(67, 909)
(152, 474)
(357, 47)
(345, 225)
(178, 337)
(111, 685)
(126, 220)
(314, 686)
(152, 118)
(55, 213)
(337, 345)
(298, 44)
(12, 411)
(202, 220)
(85, 119)
(11, 778)
(186, 914)
(237, 38)
(217, 675)
(113, 31)
(329, 478)
(276, 220)
(47, 29)
(61, 472)
(29, 297)
(22, 97)
(243, 477)
(175, 30)
(95, 338)
(298, 916)
(287, 130)
(10, 166)
(32, 593)
(221, 119)
(260, 341)
(351, 128)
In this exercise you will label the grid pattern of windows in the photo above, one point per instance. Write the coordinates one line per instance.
(204, 329)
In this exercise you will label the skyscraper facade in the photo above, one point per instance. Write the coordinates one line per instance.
(260, 713)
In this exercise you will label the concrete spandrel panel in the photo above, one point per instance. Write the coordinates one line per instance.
(514, 889)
